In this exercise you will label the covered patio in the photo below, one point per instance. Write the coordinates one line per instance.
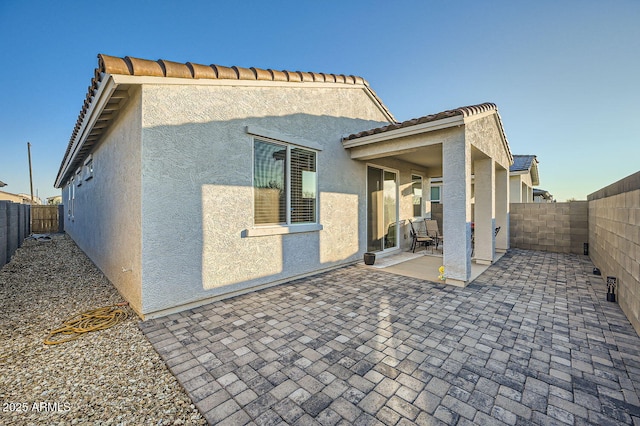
(422, 265)
(468, 149)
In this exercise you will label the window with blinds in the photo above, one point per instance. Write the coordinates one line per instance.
(284, 183)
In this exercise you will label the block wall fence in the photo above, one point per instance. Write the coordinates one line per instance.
(555, 227)
(609, 221)
(614, 240)
(15, 226)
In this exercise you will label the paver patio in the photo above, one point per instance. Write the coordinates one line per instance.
(531, 341)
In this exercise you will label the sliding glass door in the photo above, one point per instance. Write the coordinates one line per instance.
(382, 209)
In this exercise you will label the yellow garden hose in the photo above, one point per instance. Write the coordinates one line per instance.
(85, 322)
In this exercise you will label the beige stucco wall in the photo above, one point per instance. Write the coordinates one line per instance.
(614, 241)
(484, 134)
(554, 227)
(198, 196)
(107, 208)
(516, 192)
(14, 198)
(515, 189)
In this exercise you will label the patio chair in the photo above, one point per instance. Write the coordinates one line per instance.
(433, 231)
(418, 238)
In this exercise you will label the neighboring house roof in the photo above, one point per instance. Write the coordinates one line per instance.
(526, 164)
(522, 163)
(538, 192)
(128, 66)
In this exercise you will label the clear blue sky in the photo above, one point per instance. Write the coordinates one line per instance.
(564, 74)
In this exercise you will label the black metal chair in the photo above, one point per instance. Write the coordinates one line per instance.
(418, 238)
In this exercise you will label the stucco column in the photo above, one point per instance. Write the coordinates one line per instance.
(502, 209)
(456, 200)
(485, 180)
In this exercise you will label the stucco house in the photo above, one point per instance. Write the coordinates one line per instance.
(542, 196)
(187, 183)
(523, 176)
(19, 198)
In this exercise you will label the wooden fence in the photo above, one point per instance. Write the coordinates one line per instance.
(44, 219)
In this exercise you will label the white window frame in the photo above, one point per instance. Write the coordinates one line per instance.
(72, 198)
(286, 141)
(437, 184)
(88, 168)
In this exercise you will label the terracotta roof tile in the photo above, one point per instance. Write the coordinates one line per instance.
(201, 71)
(331, 78)
(163, 68)
(305, 76)
(145, 67)
(465, 111)
(225, 72)
(293, 76)
(175, 69)
(317, 76)
(262, 74)
(244, 73)
(278, 75)
(113, 65)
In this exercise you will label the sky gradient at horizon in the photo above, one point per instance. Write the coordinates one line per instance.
(563, 74)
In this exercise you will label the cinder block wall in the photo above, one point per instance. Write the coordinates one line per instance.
(554, 227)
(614, 239)
(4, 234)
(14, 228)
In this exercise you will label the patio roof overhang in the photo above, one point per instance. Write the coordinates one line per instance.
(419, 141)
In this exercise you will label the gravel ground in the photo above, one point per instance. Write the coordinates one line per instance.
(112, 376)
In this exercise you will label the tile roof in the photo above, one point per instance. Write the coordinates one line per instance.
(163, 68)
(522, 163)
(465, 111)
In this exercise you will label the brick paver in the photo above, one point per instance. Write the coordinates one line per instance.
(532, 341)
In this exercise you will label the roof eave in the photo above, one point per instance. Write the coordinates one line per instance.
(535, 175)
(401, 132)
(104, 90)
